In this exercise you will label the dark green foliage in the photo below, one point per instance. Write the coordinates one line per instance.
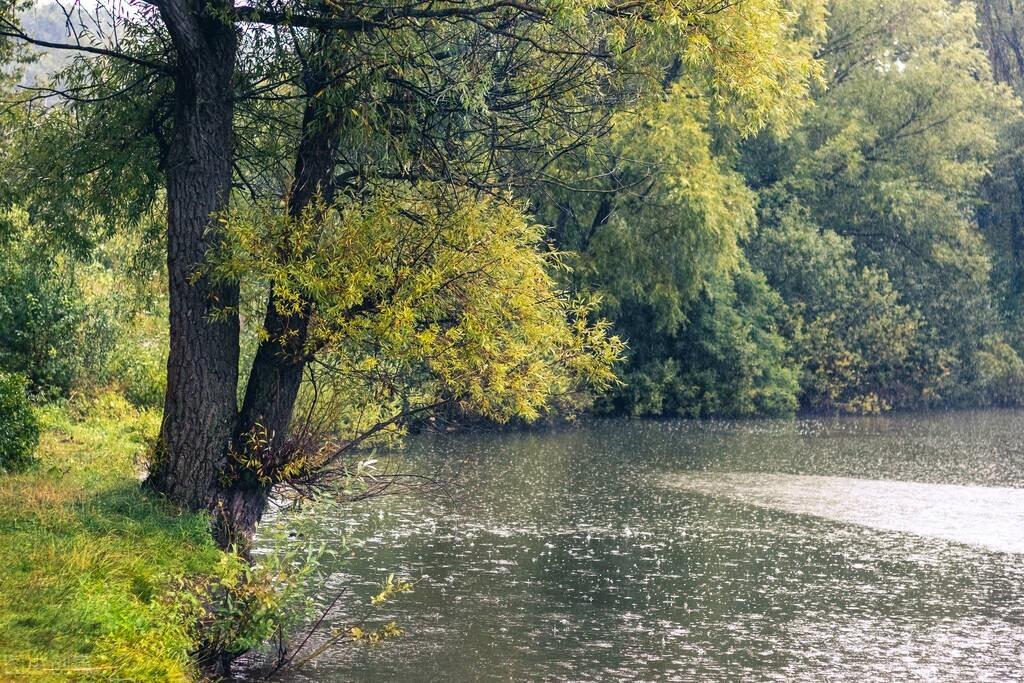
(1001, 211)
(1000, 373)
(19, 430)
(851, 335)
(868, 211)
(729, 359)
(884, 293)
(43, 320)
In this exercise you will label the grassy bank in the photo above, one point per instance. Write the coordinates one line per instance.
(87, 560)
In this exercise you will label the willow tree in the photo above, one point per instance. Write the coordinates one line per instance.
(360, 162)
(654, 213)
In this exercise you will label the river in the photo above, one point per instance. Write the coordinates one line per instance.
(819, 549)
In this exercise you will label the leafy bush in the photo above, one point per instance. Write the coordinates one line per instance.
(239, 606)
(19, 430)
(42, 317)
(1000, 372)
(95, 324)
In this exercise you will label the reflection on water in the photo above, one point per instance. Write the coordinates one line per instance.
(989, 517)
(676, 551)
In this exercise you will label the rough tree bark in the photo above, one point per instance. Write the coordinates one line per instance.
(200, 407)
(202, 423)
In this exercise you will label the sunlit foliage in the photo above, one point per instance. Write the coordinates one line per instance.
(422, 297)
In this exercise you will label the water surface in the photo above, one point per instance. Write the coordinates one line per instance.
(988, 517)
(837, 549)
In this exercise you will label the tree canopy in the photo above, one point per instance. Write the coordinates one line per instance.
(362, 178)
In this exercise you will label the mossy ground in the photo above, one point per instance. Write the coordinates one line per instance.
(88, 559)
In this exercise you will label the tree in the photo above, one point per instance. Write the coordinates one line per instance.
(860, 210)
(849, 334)
(653, 215)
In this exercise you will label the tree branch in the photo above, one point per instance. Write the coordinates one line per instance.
(277, 18)
(10, 31)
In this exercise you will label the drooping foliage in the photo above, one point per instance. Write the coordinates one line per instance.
(789, 190)
(861, 210)
(424, 297)
(654, 215)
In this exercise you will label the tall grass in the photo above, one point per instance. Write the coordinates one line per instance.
(87, 558)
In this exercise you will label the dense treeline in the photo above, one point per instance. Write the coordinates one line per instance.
(839, 231)
(865, 258)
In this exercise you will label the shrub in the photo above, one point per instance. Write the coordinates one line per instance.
(80, 324)
(1000, 373)
(239, 607)
(19, 431)
(41, 323)
(730, 359)
(43, 317)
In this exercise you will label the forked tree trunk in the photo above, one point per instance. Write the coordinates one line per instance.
(200, 406)
(281, 357)
(202, 423)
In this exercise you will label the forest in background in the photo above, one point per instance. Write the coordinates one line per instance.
(855, 246)
(865, 258)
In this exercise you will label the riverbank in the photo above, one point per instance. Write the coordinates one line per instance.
(87, 559)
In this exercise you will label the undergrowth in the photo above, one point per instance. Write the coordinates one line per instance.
(103, 581)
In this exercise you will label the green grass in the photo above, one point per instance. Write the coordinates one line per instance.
(88, 561)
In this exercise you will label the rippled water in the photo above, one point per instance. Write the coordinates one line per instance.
(684, 551)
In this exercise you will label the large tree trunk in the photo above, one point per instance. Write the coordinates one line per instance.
(201, 421)
(277, 369)
(200, 408)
